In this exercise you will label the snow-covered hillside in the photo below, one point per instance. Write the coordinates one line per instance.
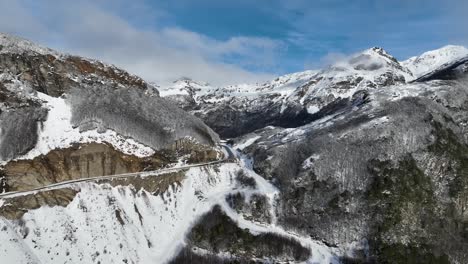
(82, 101)
(431, 60)
(105, 224)
(64, 117)
(57, 132)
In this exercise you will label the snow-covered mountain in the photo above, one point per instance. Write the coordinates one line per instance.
(289, 99)
(361, 154)
(364, 161)
(83, 101)
(368, 69)
(96, 167)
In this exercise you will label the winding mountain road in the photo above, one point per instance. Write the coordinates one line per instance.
(231, 157)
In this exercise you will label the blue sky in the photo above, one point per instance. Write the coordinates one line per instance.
(234, 41)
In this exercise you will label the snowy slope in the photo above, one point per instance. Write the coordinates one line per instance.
(370, 69)
(292, 99)
(57, 132)
(82, 102)
(432, 60)
(151, 228)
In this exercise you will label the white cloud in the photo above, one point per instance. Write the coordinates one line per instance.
(159, 54)
(333, 57)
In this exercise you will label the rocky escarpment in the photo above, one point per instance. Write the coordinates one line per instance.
(16, 207)
(54, 73)
(388, 176)
(93, 159)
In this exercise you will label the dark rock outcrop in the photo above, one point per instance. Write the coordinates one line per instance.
(91, 160)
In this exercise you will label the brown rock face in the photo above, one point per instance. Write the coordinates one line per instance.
(55, 76)
(155, 185)
(90, 160)
(86, 67)
(67, 164)
(15, 208)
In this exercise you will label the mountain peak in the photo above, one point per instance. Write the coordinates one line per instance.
(378, 50)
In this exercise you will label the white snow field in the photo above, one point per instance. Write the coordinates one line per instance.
(153, 228)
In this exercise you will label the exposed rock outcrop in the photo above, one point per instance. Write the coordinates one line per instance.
(91, 160)
(15, 208)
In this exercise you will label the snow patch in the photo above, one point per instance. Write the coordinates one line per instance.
(57, 132)
(307, 164)
(313, 109)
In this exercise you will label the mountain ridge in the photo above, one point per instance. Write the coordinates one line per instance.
(295, 96)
